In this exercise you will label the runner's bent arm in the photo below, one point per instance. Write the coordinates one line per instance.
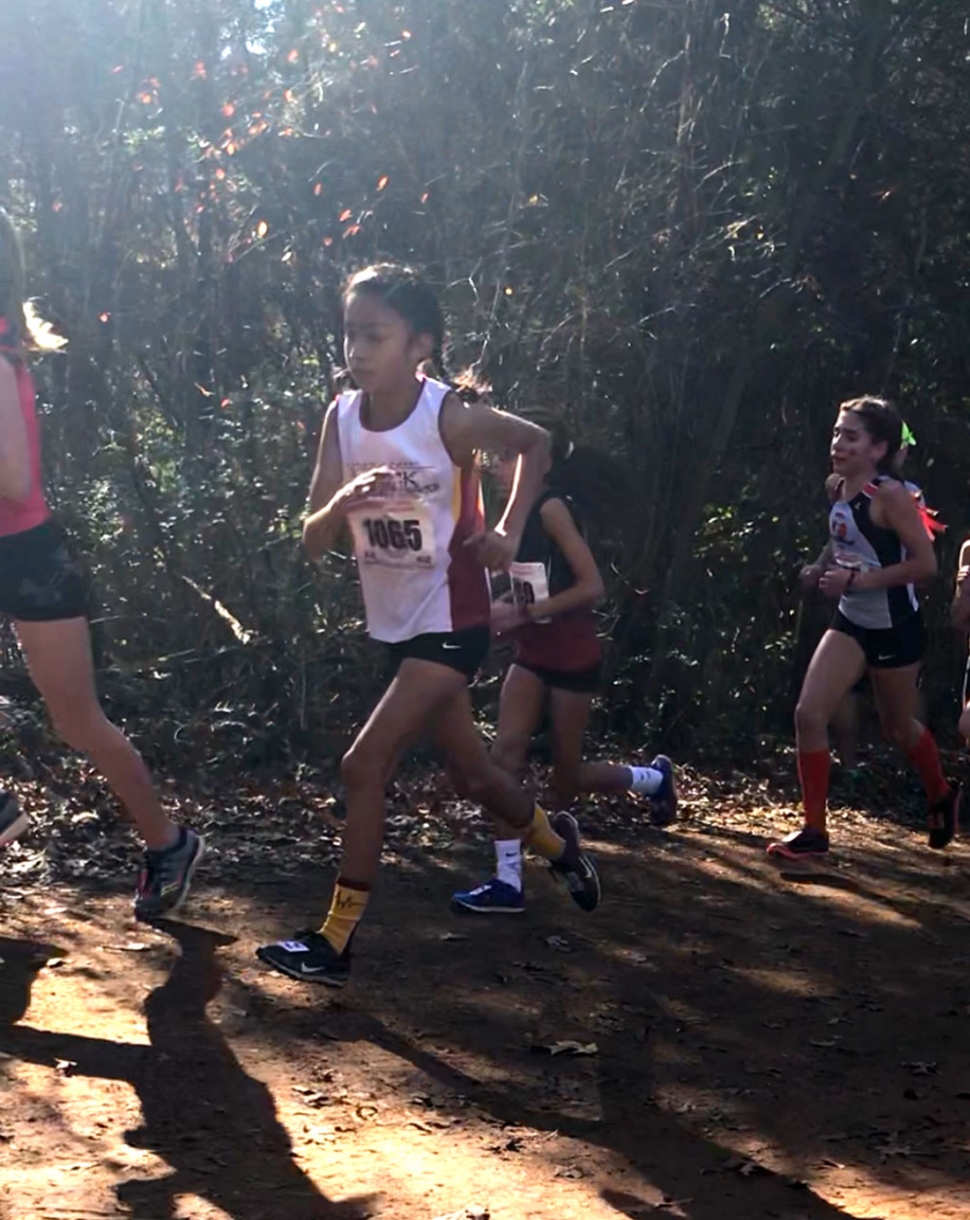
(323, 524)
(898, 511)
(812, 573)
(824, 559)
(894, 509)
(331, 498)
(558, 523)
(470, 428)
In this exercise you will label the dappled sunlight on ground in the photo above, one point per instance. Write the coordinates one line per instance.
(751, 1046)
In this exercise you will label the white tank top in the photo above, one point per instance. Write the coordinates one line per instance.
(860, 544)
(416, 575)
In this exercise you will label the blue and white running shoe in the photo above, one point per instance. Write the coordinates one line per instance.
(493, 898)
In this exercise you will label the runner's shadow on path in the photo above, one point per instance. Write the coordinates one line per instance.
(684, 1166)
(20, 962)
(215, 1125)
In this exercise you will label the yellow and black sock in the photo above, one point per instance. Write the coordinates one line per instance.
(346, 908)
(542, 838)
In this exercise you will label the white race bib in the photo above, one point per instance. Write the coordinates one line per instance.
(529, 585)
(400, 536)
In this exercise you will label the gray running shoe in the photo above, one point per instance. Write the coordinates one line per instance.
(166, 876)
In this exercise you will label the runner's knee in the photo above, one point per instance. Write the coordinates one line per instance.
(809, 718)
(363, 767)
(509, 753)
(898, 731)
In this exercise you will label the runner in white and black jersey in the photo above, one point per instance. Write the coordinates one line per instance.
(398, 465)
(880, 550)
(846, 718)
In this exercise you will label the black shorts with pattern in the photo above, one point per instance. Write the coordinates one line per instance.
(41, 579)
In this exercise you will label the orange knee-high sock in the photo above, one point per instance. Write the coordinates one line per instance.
(346, 908)
(925, 757)
(813, 775)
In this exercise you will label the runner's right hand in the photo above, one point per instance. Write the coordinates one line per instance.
(369, 488)
(810, 575)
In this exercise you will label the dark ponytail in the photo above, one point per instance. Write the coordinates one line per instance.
(593, 479)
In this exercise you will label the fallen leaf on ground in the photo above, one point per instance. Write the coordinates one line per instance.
(566, 1048)
(893, 1147)
(312, 1097)
(559, 943)
(745, 1167)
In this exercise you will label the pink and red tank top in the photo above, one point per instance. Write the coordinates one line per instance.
(16, 516)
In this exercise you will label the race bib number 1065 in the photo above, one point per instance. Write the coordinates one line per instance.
(399, 538)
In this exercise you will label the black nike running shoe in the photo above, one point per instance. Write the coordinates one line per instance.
(309, 957)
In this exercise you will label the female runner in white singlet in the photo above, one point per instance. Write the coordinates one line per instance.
(398, 465)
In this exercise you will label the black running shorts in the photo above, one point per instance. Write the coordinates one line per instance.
(887, 647)
(41, 579)
(462, 650)
(581, 681)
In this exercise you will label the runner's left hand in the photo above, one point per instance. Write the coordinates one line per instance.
(834, 581)
(493, 550)
(506, 616)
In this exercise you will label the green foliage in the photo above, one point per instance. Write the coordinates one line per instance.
(694, 226)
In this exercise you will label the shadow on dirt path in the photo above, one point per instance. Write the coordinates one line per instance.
(211, 1122)
(754, 1048)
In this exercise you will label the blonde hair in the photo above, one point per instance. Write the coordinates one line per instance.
(30, 332)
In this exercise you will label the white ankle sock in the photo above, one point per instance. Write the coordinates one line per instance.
(646, 780)
(508, 861)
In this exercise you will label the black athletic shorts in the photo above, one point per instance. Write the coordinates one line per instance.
(41, 579)
(887, 647)
(581, 681)
(463, 650)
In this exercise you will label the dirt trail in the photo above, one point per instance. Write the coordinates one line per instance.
(759, 1047)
